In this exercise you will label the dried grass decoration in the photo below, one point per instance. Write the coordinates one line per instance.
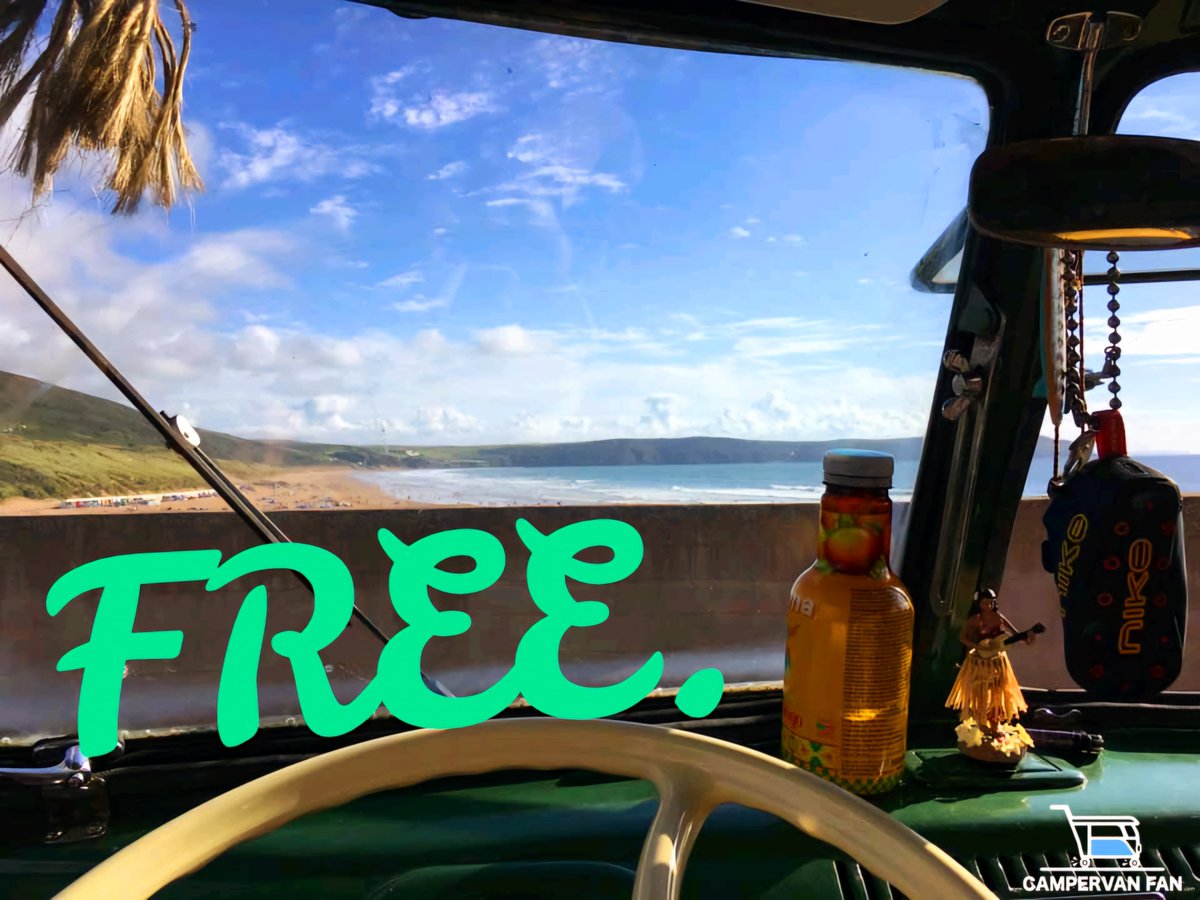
(96, 90)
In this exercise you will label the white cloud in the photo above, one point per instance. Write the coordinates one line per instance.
(176, 326)
(338, 209)
(547, 429)
(772, 414)
(760, 347)
(563, 181)
(403, 280)
(538, 384)
(1152, 333)
(542, 212)
(420, 304)
(449, 170)
(512, 340)
(401, 96)
(441, 421)
(576, 64)
(532, 148)
(738, 231)
(327, 412)
(384, 104)
(1163, 121)
(277, 154)
(426, 109)
(553, 169)
(158, 321)
(794, 238)
(662, 413)
(445, 108)
(256, 347)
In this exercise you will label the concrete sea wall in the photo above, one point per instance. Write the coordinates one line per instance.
(712, 591)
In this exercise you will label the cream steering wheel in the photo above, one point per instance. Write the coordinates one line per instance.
(693, 775)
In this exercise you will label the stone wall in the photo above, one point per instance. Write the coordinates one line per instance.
(711, 592)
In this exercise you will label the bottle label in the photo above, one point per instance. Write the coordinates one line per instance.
(845, 708)
(854, 544)
(875, 690)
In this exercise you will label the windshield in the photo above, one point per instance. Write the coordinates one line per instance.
(444, 270)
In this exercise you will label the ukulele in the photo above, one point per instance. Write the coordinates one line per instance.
(992, 647)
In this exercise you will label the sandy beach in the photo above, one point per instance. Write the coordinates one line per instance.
(287, 489)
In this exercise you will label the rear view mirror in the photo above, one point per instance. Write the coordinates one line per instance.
(1093, 192)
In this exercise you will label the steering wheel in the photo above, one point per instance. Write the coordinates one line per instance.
(692, 773)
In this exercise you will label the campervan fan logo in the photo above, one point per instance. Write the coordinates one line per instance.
(1108, 860)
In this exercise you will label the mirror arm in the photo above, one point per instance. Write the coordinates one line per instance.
(1159, 276)
(1086, 33)
(948, 245)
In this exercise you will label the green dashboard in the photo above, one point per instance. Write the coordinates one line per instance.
(578, 834)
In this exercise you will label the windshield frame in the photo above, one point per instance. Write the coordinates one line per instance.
(974, 447)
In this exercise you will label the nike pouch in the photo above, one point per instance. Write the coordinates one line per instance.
(1115, 548)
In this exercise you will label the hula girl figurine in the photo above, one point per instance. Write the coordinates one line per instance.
(986, 692)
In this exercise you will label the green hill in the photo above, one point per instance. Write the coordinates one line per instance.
(56, 442)
(660, 451)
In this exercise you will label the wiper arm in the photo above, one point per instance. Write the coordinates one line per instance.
(255, 518)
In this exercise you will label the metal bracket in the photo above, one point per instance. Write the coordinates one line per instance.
(74, 767)
(184, 428)
(1086, 33)
(74, 798)
(968, 380)
(1080, 32)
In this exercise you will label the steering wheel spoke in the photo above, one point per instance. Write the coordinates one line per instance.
(685, 801)
(693, 774)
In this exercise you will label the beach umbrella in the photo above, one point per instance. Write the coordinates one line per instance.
(99, 76)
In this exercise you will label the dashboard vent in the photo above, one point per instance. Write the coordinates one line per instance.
(1182, 862)
(857, 883)
(1004, 875)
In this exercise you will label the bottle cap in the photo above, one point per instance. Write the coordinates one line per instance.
(859, 468)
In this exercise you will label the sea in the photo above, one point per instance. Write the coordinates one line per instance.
(778, 482)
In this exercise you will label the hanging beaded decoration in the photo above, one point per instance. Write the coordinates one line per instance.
(1112, 353)
(1077, 380)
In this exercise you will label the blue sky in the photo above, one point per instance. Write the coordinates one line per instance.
(453, 233)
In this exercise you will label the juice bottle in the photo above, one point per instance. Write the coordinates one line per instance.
(849, 641)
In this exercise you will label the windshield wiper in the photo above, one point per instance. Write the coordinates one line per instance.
(256, 519)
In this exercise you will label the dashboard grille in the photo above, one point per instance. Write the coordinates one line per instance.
(1003, 875)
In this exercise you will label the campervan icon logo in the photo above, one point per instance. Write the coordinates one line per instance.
(1108, 859)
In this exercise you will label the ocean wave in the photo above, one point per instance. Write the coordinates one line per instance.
(669, 484)
(731, 483)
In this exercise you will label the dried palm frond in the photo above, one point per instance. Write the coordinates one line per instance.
(94, 84)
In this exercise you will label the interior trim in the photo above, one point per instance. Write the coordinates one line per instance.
(876, 12)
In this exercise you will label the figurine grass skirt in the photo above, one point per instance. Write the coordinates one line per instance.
(986, 690)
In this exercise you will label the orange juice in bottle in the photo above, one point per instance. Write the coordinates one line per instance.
(849, 640)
